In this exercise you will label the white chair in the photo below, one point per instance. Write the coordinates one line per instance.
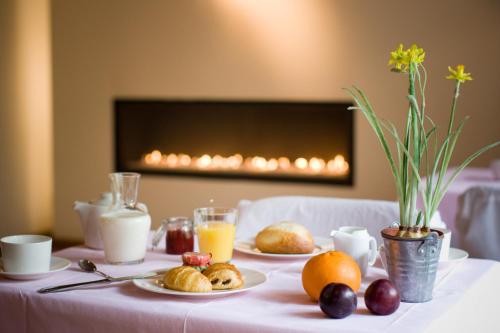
(319, 214)
(478, 222)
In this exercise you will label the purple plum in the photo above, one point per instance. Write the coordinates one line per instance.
(382, 297)
(338, 300)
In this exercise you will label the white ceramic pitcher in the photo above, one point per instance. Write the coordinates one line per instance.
(356, 242)
(90, 212)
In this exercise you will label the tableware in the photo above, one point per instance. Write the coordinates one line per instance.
(90, 267)
(179, 233)
(57, 264)
(71, 286)
(216, 228)
(445, 244)
(253, 278)
(247, 246)
(356, 242)
(125, 228)
(26, 253)
(89, 213)
(456, 255)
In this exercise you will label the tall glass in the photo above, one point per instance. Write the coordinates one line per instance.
(216, 228)
(125, 228)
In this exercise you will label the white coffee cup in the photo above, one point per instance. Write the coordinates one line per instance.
(445, 244)
(26, 253)
(356, 242)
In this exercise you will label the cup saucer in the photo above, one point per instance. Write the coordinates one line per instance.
(455, 255)
(57, 264)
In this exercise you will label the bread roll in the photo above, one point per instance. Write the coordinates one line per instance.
(185, 278)
(285, 238)
(223, 276)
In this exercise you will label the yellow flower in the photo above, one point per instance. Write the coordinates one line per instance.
(398, 58)
(415, 54)
(459, 74)
(401, 59)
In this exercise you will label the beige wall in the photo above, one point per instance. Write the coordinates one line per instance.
(274, 49)
(26, 179)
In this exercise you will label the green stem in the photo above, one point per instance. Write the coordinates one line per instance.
(404, 172)
(413, 181)
(446, 157)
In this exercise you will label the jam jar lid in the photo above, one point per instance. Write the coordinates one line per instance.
(177, 220)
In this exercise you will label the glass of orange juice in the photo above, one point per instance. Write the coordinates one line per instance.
(216, 227)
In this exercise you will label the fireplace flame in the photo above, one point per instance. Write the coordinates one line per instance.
(337, 166)
(301, 163)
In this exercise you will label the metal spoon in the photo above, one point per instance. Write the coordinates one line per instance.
(89, 266)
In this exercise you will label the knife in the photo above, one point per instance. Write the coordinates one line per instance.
(65, 287)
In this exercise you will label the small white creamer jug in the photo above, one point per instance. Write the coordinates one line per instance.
(356, 242)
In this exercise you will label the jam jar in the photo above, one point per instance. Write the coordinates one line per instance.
(179, 235)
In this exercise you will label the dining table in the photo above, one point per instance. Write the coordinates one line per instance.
(466, 298)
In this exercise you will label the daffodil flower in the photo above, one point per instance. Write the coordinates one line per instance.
(398, 59)
(401, 59)
(415, 54)
(459, 74)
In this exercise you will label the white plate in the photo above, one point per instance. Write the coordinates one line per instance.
(247, 246)
(252, 278)
(455, 255)
(57, 264)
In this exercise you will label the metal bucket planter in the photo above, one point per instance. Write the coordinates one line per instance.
(412, 263)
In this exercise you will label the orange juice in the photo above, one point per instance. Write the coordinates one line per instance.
(216, 238)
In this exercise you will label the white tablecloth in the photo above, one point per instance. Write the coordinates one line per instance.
(280, 305)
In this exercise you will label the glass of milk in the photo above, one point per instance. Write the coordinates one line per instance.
(125, 227)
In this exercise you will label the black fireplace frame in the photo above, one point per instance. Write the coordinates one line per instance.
(342, 181)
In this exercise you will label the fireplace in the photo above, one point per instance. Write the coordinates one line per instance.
(275, 141)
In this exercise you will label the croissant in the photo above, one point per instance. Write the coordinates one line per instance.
(223, 276)
(185, 278)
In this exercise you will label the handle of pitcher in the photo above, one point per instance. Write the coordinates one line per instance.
(142, 207)
(157, 236)
(373, 251)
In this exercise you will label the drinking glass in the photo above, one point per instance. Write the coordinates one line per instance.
(216, 228)
(125, 187)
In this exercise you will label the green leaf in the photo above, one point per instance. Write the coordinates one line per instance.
(365, 107)
(430, 132)
(449, 148)
(373, 121)
(420, 124)
(395, 135)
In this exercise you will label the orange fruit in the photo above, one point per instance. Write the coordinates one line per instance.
(325, 268)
